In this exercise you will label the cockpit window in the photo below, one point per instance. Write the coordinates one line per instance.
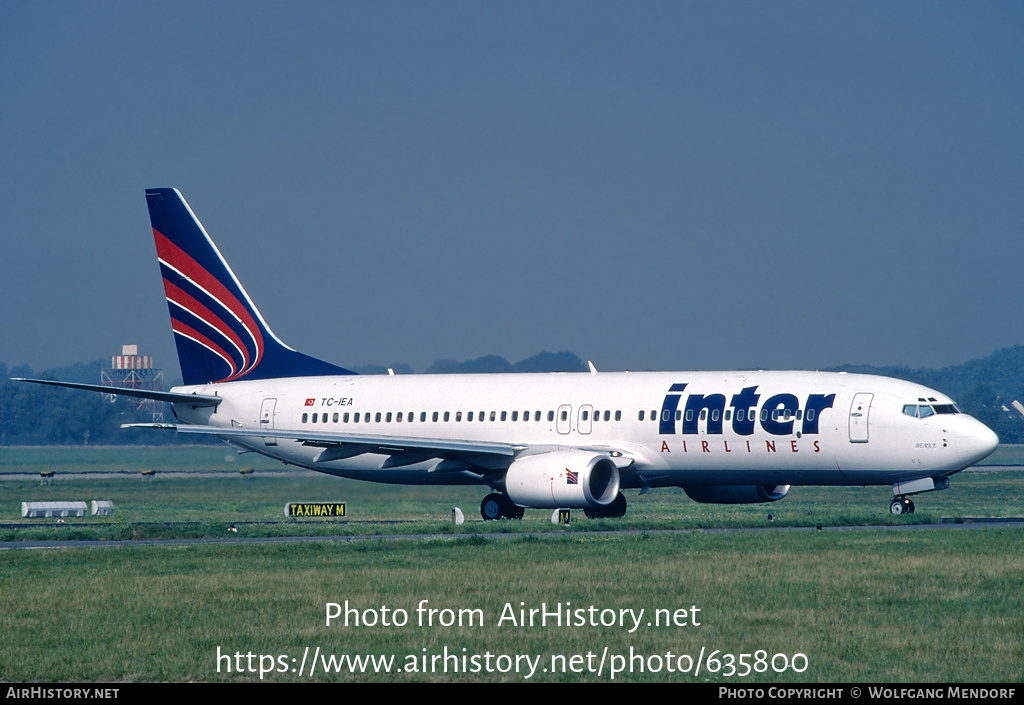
(921, 411)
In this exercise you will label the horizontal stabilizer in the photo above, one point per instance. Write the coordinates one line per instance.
(195, 400)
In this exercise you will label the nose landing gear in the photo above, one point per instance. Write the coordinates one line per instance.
(901, 505)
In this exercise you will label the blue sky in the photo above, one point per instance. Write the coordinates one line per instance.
(651, 185)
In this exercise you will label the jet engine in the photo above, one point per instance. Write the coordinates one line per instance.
(736, 494)
(570, 479)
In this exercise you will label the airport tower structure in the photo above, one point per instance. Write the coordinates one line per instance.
(134, 371)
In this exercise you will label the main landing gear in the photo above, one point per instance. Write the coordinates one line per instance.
(901, 505)
(499, 506)
(616, 509)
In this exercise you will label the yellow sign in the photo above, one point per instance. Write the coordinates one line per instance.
(318, 510)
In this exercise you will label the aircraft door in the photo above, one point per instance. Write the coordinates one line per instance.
(563, 419)
(583, 423)
(859, 411)
(267, 418)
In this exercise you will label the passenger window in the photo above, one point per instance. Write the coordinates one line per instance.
(335, 419)
(565, 414)
(345, 418)
(388, 417)
(493, 416)
(377, 417)
(551, 416)
(458, 416)
(618, 415)
(607, 415)
(447, 416)
(586, 415)
(434, 417)
(423, 417)
(640, 415)
(398, 418)
(469, 416)
(504, 414)
(515, 415)
(305, 418)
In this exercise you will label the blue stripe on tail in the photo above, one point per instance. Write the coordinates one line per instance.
(220, 335)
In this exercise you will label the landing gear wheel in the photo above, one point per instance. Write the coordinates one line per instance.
(615, 510)
(490, 508)
(901, 505)
(499, 506)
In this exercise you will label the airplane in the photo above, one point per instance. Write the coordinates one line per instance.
(538, 441)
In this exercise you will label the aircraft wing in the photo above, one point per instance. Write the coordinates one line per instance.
(403, 450)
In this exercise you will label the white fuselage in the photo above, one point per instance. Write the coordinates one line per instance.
(664, 428)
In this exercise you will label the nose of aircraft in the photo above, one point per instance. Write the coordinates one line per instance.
(974, 441)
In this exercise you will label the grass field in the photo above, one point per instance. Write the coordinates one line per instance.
(209, 498)
(1005, 455)
(928, 605)
(919, 606)
(131, 460)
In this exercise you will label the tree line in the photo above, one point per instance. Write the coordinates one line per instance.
(36, 414)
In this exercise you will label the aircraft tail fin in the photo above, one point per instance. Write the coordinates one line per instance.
(219, 333)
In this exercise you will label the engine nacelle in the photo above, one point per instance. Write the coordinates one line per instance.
(568, 479)
(736, 494)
